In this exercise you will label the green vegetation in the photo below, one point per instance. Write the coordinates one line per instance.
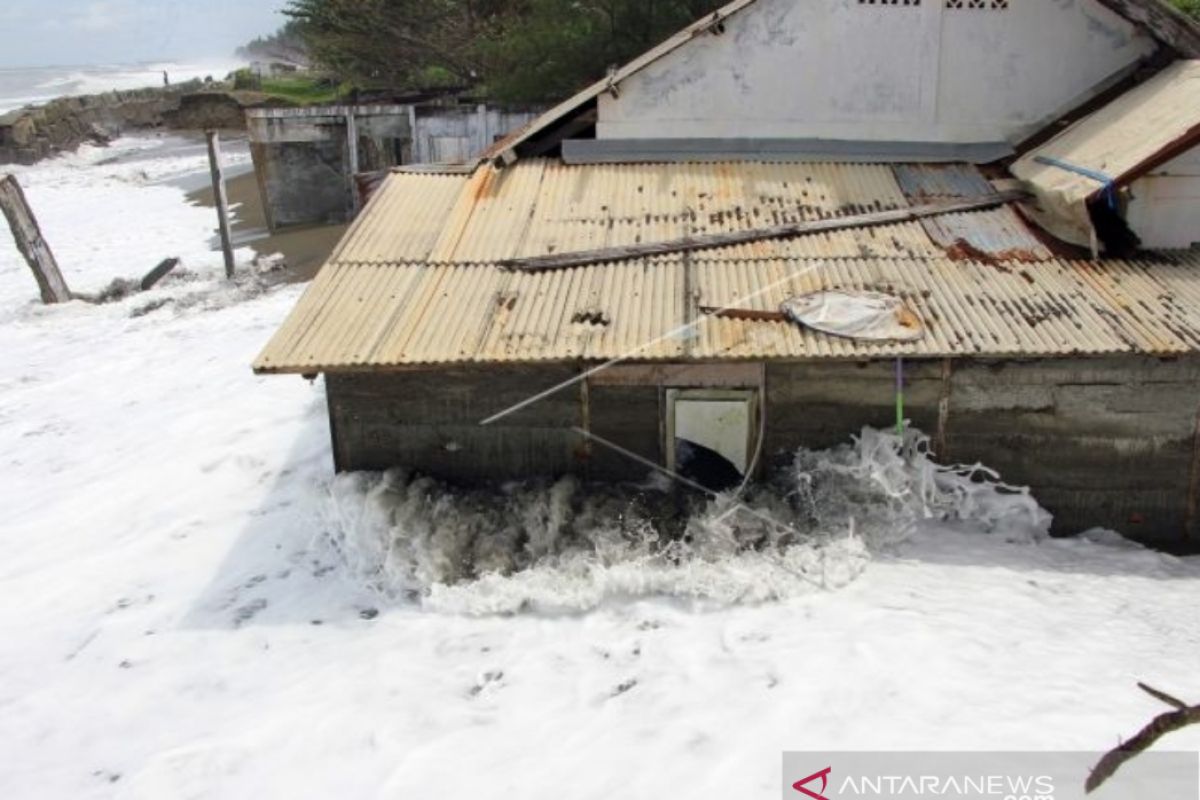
(1188, 6)
(511, 50)
(305, 90)
(299, 89)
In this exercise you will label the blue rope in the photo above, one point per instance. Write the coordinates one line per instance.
(1110, 184)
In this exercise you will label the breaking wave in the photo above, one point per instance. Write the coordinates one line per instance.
(568, 546)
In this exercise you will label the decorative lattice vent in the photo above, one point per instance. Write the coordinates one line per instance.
(978, 5)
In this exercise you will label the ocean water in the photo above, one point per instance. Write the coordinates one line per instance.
(35, 85)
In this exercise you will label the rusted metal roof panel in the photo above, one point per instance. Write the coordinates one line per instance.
(379, 316)
(994, 234)
(541, 206)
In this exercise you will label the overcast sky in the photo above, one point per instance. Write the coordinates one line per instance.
(76, 32)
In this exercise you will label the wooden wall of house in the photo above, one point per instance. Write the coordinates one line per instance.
(1104, 442)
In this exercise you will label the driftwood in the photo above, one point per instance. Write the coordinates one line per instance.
(709, 241)
(1183, 716)
(33, 246)
(158, 273)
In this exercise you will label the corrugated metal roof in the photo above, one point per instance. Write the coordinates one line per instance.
(416, 280)
(540, 206)
(1120, 141)
(997, 233)
(378, 316)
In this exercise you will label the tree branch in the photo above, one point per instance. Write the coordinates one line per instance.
(1159, 727)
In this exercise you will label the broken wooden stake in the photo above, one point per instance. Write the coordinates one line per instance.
(221, 199)
(1183, 716)
(709, 241)
(158, 273)
(30, 242)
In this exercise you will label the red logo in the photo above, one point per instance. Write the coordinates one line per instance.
(823, 776)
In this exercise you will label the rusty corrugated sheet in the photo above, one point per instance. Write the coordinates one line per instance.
(540, 206)
(378, 316)
(993, 234)
(416, 282)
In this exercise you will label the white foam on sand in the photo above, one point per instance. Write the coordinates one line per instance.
(175, 623)
(567, 547)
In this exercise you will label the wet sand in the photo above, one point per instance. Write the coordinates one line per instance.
(305, 249)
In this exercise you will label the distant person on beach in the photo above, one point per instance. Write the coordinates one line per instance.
(166, 78)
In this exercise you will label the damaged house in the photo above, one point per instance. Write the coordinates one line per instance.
(779, 224)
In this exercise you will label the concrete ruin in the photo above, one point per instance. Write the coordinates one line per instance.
(306, 158)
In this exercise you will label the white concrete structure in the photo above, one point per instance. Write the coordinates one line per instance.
(936, 71)
(1164, 205)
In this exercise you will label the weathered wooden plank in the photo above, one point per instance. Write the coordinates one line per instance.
(31, 244)
(708, 241)
(221, 198)
(158, 273)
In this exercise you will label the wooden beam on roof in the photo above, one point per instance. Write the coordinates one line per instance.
(1167, 24)
(709, 241)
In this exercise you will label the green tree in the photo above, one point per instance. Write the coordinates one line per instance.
(516, 50)
(548, 49)
(1188, 7)
(397, 44)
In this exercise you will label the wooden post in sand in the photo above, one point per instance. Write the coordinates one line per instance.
(29, 240)
(221, 198)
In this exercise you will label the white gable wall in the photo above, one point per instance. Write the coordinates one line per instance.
(1165, 207)
(878, 71)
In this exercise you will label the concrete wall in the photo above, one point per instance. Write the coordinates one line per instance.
(303, 162)
(454, 135)
(1103, 442)
(1165, 207)
(854, 70)
(303, 158)
(430, 420)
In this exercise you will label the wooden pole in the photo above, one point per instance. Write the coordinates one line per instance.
(707, 241)
(29, 240)
(221, 196)
(352, 141)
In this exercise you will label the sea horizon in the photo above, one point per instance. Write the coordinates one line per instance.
(32, 86)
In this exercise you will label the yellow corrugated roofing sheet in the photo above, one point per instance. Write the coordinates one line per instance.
(416, 281)
(1116, 141)
(541, 206)
(378, 316)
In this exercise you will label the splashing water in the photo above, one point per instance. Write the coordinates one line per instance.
(565, 546)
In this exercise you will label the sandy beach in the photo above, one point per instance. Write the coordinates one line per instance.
(305, 248)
